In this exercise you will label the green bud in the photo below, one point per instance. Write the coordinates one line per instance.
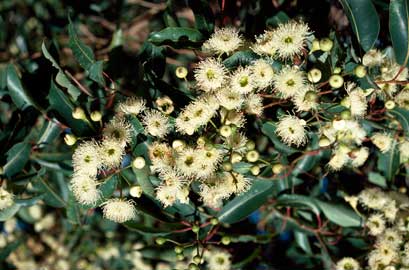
(252, 156)
(337, 70)
(78, 113)
(70, 139)
(96, 116)
(236, 157)
(181, 72)
(250, 145)
(160, 241)
(139, 163)
(227, 166)
(193, 266)
(390, 104)
(326, 44)
(195, 228)
(178, 249)
(225, 131)
(255, 170)
(197, 259)
(360, 71)
(214, 221)
(180, 257)
(226, 240)
(277, 168)
(346, 115)
(336, 81)
(314, 75)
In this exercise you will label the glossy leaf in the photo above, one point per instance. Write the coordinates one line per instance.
(339, 214)
(177, 37)
(298, 201)
(49, 133)
(388, 163)
(402, 116)
(82, 53)
(21, 98)
(364, 21)
(244, 204)
(9, 212)
(241, 58)
(399, 29)
(17, 158)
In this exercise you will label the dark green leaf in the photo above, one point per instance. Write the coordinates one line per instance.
(95, 72)
(142, 176)
(402, 116)
(299, 201)
(49, 133)
(399, 30)
(82, 52)
(339, 214)
(50, 195)
(302, 240)
(17, 157)
(108, 186)
(9, 212)
(244, 204)
(7, 250)
(177, 37)
(138, 227)
(364, 21)
(18, 94)
(204, 18)
(377, 179)
(73, 210)
(242, 58)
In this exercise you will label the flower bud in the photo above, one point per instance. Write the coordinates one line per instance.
(324, 142)
(235, 157)
(197, 259)
(255, 170)
(390, 104)
(180, 257)
(314, 75)
(225, 131)
(252, 156)
(178, 144)
(193, 266)
(181, 72)
(160, 241)
(96, 116)
(337, 70)
(78, 113)
(178, 249)
(315, 45)
(277, 168)
(195, 228)
(201, 141)
(70, 139)
(326, 44)
(227, 166)
(226, 240)
(214, 221)
(136, 191)
(346, 115)
(139, 163)
(360, 71)
(336, 81)
(250, 145)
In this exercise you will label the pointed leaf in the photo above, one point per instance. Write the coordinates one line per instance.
(399, 30)
(340, 214)
(82, 52)
(18, 94)
(17, 157)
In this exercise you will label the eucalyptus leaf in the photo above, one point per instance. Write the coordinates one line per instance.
(17, 158)
(399, 29)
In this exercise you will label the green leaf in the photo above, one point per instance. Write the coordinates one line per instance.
(108, 186)
(82, 53)
(279, 18)
(73, 210)
(95, 72)
(388, 163)
(151, 231)
(9, 212)
(302, 240)
(402, 116)
(51, 196)
(339, 214)
(7, 250)
(49, 133)
(241, 58)
(21, 98)
(177, 37)
(377, 179)
(364, 21)
(204, 18)
(298, 201)
(61, 78)
(142, 176)
(399, 30)
(62, 104)
(17, 157)
(244, 204)
(269, 130)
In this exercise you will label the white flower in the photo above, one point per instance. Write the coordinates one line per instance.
(85, 189)
(86, 158)
(264, 44)
(306, 99)
(237, 143)
(391, 237)
(347, 264)
(402, 99)
(262, 73)
(118, 129)
(132, 105)
(167, 194)
(156, 123)
(373, 198)
(6, 199)
(382, 141)
(223, 40)
(231, 100)
(338, 160)
(242, 81)
(208, 160)
(289, 39)
(161, 156)
(360, 156)
(210, 75)
(404, 151)
(253, 104)
(119, 210)
(372, 58)
(218, 260)
(390, 210)
(375, 224)
(289, 81)
(236, 183)
(111, 153)
(291, 129)
(357, 100)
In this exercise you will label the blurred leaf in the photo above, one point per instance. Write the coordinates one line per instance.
(73, 210)
(364, 21)
(269, 130)
(388, 163)
(302, 240)
(402, 116)
(399, 30)
(204, 18)
(61, 78)
(244, 204)
(339, 214)
(279, 18)
(9, 212)
(142, 176)
(298, 201)
(7, 250)
(377, 179)
(19, 95)
(177, 37)
(17, 157)
(95, 72)
(138, 227)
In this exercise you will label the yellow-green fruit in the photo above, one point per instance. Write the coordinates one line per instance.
(346, 115)
(178, 249)
(195, 228)
(225, 131)
(326, 44)
(78, 113)
(255, 170)
(314, 75)
(180, 257)
(160, 241)
(193, 266)
(181, 72)
(315, 45)
(201, 141)
(197, 259)
(226, 240)
(136, 191)
(324, 142)
(390, 104)
(235, 157)
(227, 166)
(70, 139)
(360, 71)
(139, 163)
(277, 168)
(96, 116)
(250, 145)
(252, 156)
(337, 70)
(214, 221)
(336, 81)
